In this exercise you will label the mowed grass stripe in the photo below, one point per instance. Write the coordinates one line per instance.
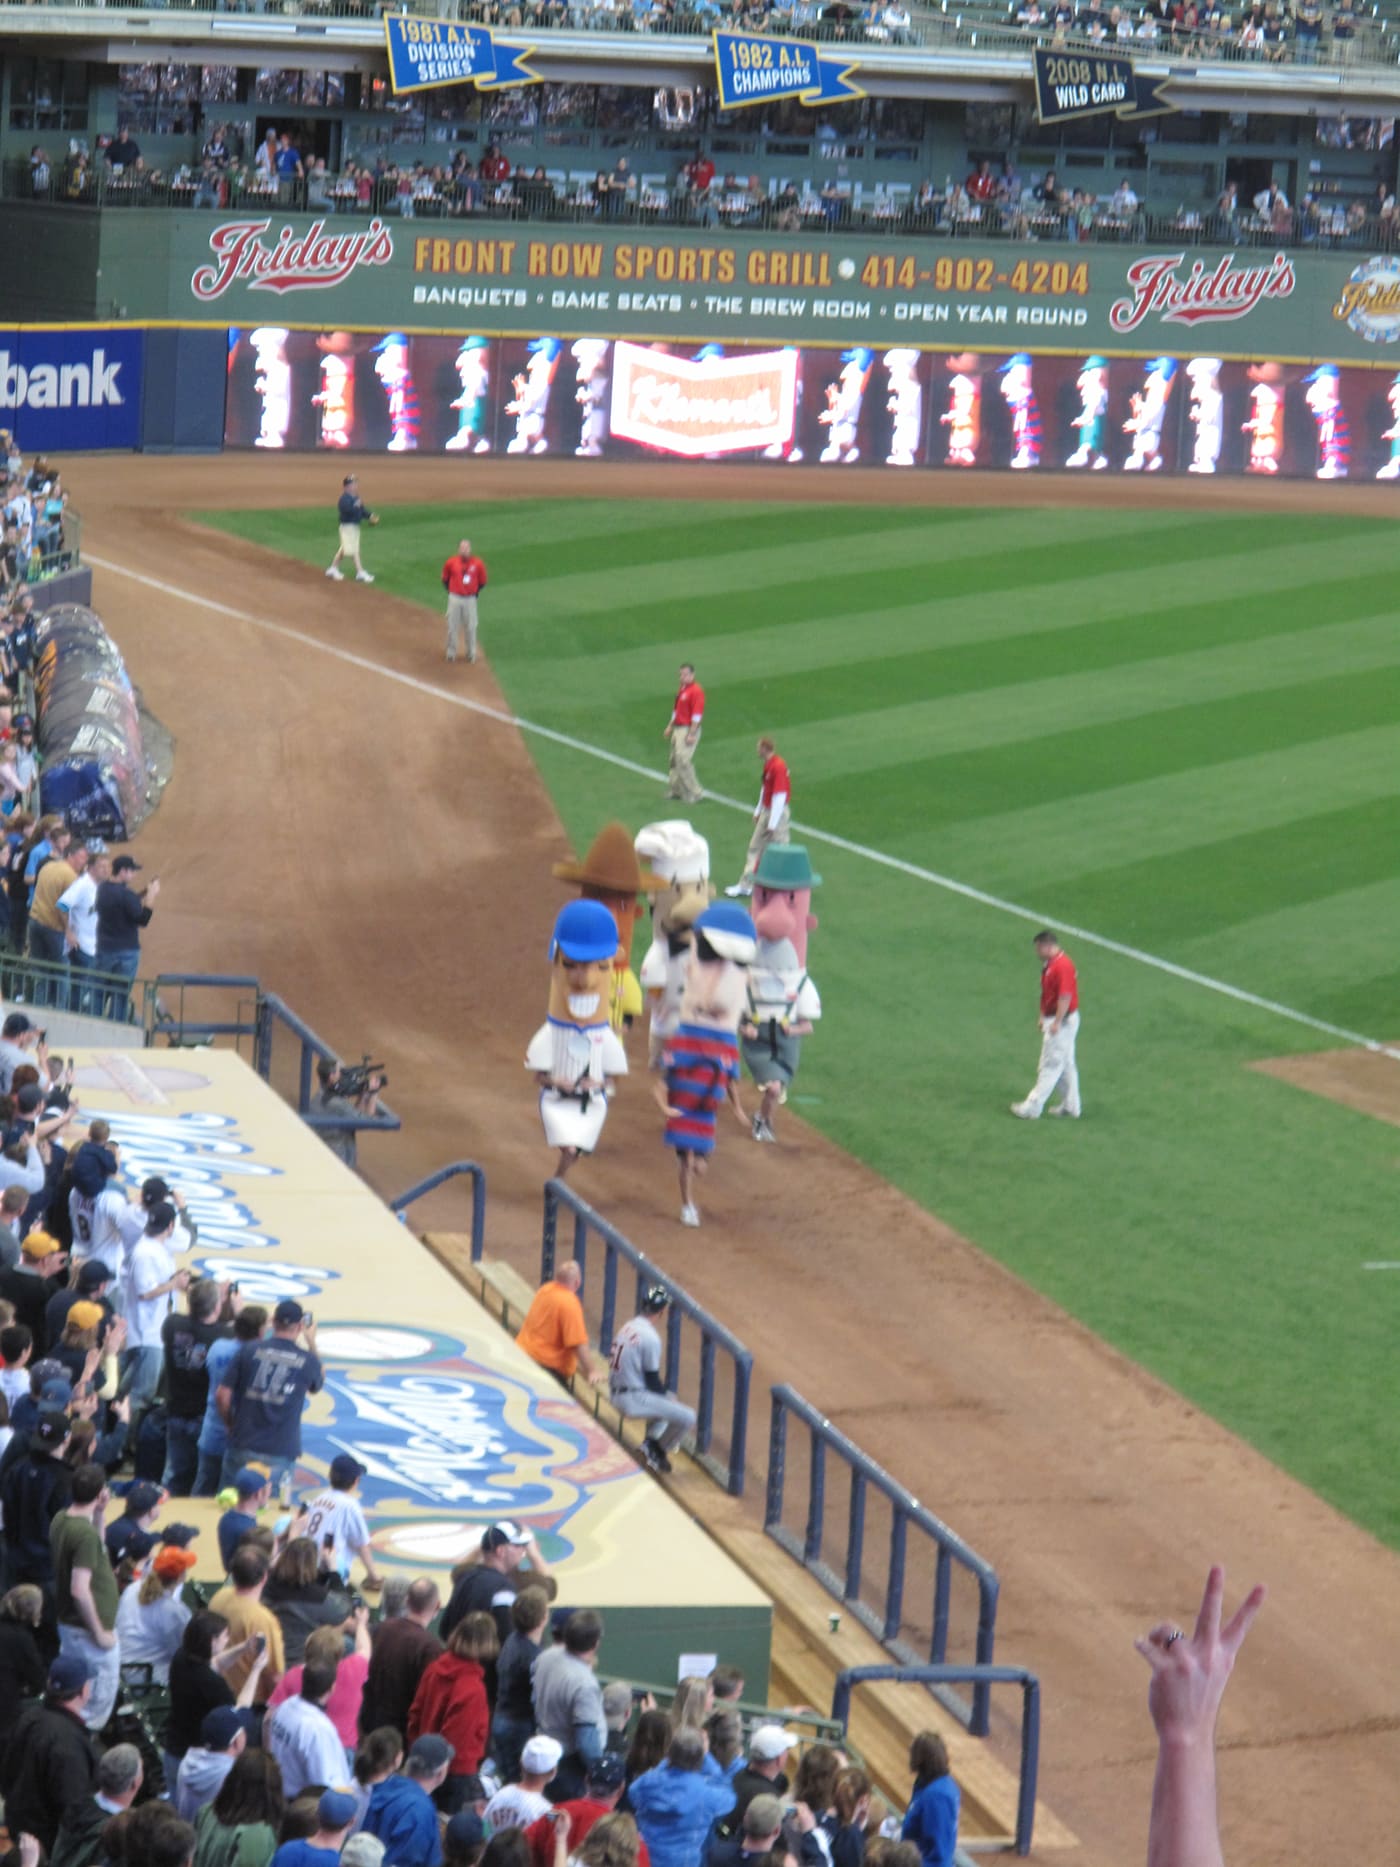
(1314, 950)
(801, 577)
(1290, 865)
(1161, 816)
(808, 628)
(1065, 766)
(1015, 714)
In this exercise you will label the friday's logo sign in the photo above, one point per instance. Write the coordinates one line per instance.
(1203, 295)
(293, 262)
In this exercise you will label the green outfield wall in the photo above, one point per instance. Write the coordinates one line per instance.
(523, 278)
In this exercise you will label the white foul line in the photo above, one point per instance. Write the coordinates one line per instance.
(931, 876)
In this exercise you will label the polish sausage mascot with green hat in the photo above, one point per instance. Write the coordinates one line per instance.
(783, 1003)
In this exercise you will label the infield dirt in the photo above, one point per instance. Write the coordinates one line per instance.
(382, 860)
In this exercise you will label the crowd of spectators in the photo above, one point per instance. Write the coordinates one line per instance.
(985, 203)
(292, 1731)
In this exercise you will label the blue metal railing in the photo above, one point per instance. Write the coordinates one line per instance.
(906, 1513)
(713, 1334)
(982, 1679)
(434, 1180)
(269, 1015)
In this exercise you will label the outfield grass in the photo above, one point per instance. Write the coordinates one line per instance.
(1180, 732)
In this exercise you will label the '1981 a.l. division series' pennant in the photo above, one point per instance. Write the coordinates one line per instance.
(752, 69)
(425, 54)
(1069, 85)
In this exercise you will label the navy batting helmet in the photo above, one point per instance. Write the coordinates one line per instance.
(655, 1297)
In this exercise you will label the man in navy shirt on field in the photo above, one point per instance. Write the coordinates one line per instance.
(262, 1394)
(352, 513)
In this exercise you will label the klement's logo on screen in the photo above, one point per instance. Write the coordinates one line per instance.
(293, 262)
(60, 385)
(1203, 295)
(699, 406)
(1370, 301)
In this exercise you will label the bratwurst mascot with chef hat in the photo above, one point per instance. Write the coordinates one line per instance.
(575, 1053)
(701, 1058)
(680, 859)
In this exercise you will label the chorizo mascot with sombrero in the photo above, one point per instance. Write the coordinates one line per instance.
(610, 873)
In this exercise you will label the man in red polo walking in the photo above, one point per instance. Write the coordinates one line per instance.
(772, 817)
(463, 577)
(683, 730)
(1059, 1027)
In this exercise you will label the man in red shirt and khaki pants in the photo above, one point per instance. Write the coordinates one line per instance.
(772, 817)
(683, 730)
(1059, 1026)
(462, 577)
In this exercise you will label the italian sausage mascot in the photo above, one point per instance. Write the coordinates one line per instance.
(701, 1058)
(576, 1054)
(679, 857)
(783, 1003)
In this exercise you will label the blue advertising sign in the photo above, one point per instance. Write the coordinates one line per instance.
(62, 390)
(751, 70)
(1070, 85)
(425, 54)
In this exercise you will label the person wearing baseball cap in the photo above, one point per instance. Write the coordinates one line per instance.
(223, 1737)
(401, 1810)
(636, 1386)
(122, 911)
(519, 1804)
(30, 1284)
(491, 1583)
(123, 1536)
(336, 1814)
(92, 1284)
(756, 1832)
(336, 1520)
(263, 1391)
(464, 1839)
(764, 1774)
(607, 1778)
(49, 1761)
(252, 1489)
(151, 1617)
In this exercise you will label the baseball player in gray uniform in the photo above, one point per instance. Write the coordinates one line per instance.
(635, 1385)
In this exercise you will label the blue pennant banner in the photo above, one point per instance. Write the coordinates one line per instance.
(752, 69)
(425, 54)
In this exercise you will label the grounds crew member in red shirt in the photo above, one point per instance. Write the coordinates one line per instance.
(683, 730)
(772, 817)
(463, 577)
(1059, 1026)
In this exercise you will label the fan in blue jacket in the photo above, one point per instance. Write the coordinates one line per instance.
(931, 1821)
(676, 1802)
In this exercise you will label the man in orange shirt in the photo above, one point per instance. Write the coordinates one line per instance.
(683, 730)
(554, 1332)
(1059, 1027)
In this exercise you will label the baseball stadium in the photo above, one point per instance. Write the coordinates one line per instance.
(800, 546)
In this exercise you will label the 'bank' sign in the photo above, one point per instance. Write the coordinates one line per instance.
(66, 389)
